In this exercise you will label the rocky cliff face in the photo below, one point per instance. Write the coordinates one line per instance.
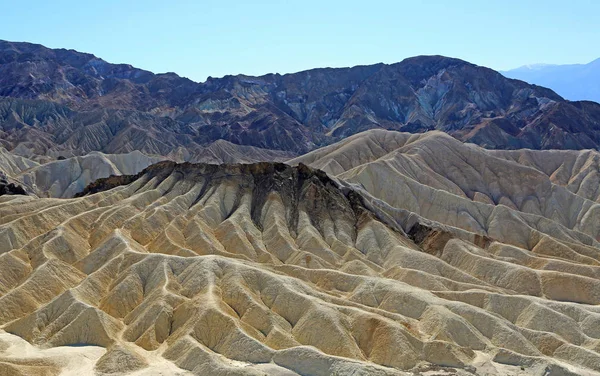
(76, 101)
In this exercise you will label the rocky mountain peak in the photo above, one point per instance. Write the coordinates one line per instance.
(295, 112)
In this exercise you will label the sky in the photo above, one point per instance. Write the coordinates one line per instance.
(197, 39)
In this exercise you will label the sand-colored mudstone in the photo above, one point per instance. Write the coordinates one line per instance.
(66, 177)
(391, 266)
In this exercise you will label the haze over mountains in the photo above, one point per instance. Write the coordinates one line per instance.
(304, 239)
(575, 82)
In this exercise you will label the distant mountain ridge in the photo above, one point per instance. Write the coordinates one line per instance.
(573, 81)
(63, 102)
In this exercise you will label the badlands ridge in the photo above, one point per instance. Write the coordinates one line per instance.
(384, 254)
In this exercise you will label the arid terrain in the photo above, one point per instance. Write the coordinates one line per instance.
(282, 225)
(419, 253)
(57, 102)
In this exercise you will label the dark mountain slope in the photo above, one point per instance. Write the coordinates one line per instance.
(35, 127)
(116, 107)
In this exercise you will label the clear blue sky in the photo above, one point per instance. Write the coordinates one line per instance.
(197, 39)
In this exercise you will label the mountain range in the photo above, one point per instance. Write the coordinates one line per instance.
(575, 82)
(65, 103)
(387, 220)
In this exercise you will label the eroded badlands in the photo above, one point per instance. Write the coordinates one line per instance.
(417, 254)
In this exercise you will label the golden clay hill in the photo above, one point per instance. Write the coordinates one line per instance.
(385, 253)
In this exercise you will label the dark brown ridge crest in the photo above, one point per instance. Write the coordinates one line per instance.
(291, 182)
(165, 168)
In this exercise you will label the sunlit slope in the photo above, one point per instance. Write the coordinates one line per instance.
(12, 164)
(222, 151)
(63, 178)
(270, 269)
(471, 189)
(578, 171)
